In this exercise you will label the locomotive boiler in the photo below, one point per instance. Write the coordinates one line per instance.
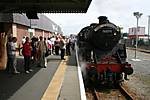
(103, 55)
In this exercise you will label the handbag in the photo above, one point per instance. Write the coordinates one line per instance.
(48, 52)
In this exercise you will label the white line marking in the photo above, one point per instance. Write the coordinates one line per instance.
(82, 88)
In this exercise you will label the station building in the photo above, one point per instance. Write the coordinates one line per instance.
(19, 25)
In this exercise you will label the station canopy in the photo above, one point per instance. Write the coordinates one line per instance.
(44, 6)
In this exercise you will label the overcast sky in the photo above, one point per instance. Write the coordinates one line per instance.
(119, 12)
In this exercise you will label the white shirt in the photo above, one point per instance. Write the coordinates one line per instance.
(53, 40)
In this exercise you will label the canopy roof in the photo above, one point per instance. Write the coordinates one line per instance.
(44, 6)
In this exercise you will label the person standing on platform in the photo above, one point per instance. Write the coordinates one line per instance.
(73, 43)
(27, 55)
(68, 45)
(11, 51)
(49, 45)
(47, 53)
(42, 48)
(52, 39)
(34, 46)
(57, 45)
(62, 47)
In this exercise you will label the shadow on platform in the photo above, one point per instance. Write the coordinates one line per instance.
(10, 83)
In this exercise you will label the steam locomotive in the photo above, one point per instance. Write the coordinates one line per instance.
(101, 55)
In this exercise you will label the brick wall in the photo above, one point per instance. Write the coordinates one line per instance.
(21, 31)
(46, 34)
(38, 33)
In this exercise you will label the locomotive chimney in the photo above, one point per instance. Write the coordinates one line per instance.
(102, 19)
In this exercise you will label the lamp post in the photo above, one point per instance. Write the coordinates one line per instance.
(137, 15)
(148, 29)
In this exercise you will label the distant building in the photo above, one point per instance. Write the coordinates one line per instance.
(140, 33)
(142, 36)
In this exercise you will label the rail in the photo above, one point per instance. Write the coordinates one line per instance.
(119, 93)
(138, 49)
(113, 94)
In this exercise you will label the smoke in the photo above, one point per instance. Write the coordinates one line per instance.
(83, 69)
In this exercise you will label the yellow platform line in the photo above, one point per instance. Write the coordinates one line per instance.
(52, 92)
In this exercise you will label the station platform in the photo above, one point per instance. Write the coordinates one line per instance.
(59, 81)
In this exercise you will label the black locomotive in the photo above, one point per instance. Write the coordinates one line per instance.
(103, 55)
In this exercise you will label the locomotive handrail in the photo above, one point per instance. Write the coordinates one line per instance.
(105, 25)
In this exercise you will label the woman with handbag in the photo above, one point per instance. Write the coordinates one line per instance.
(26, 51)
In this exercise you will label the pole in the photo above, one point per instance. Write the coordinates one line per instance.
(148, 29)
(136, 44)
(30, 23)
(137, 15)
(30, 30)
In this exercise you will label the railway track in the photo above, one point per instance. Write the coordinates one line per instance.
(119, 93)
(141, 50)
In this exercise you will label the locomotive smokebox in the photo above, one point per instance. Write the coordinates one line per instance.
(105, 35)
